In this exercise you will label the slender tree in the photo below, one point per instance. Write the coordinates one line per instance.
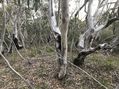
(60, 36)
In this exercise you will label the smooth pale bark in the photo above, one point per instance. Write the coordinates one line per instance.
(4, 28)
(93, 28)
(55, 29)
(86, 39)
(64, 31)
(60, 36)
(89, 17)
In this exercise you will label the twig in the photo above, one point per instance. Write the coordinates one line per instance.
(20, 53)
(6, 44)
(88, 74)
(85, 2)
(27, 82)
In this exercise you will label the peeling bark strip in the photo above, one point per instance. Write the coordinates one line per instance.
(61, 39)
(54, 27)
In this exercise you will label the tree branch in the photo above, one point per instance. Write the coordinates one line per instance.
(85, 2)
(7, 62)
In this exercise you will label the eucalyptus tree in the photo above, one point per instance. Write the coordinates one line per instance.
(95, 24)
(60, 35)
(5, 19)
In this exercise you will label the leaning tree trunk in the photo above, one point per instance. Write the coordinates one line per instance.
(60, 36)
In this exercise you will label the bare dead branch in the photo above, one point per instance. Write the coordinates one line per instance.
(85, 2)
(88, 75)
(7, 62)
(110, 21)
(107, 4)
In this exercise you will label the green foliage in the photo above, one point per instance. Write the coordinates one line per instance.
(105, 63)
(32, 52)
(49, 49)
(106, 35)
(38, 31)
(76, 26)
(44, 86)
(116, 32)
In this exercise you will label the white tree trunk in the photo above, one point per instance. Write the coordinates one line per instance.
(60, 36)
(64, 31)
(4, 28)
(86, 39)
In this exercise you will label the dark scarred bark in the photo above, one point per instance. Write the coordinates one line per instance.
(84, 53)
(15, 42)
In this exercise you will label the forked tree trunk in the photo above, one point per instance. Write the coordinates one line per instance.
(86, 39)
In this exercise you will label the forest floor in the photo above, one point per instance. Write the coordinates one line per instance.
(40, 68)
